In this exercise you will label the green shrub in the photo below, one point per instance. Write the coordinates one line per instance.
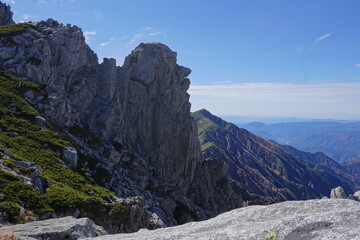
(12, 209)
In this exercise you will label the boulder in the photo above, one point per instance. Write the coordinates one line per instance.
(337, 193)
(57, 229)
(293, 220)
(70, 154)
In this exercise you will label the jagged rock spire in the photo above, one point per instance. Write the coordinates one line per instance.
(5, 14)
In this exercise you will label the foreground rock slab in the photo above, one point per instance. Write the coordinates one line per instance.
(293, 220)
(57, 229)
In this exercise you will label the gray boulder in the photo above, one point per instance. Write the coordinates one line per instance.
(357, 195)
(337, 193)
(70, 154)
(5, 14)
(57, 229)
(293, 220)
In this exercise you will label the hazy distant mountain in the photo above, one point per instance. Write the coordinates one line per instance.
(261, 165)
(353, 167)
(340, 141)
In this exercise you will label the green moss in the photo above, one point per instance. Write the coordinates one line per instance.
(6, 178)
(11, 209)
(118, 212)
(10, 163)
(14, 29)
(17, 192)
(270, 235)
(66, 189)
(100, 175)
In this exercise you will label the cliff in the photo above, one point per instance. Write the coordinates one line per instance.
(134, 120)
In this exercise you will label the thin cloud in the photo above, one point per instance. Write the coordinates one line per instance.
(145, 33)
(27, 16)
(10, 1)
(319, 39)
(357, 65)
(323, 100)
(110, 41)
(88, 34)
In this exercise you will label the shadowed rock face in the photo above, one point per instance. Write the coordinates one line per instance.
(5, 15)
(144, 104)
(293, 220)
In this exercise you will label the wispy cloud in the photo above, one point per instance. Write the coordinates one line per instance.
(88, 34)
(10, 1)
(325, 100)
(28, 16)
(145, 32)
(357, 65)
(319, 39)
(110, 41)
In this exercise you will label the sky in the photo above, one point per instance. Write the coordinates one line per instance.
(260, 58)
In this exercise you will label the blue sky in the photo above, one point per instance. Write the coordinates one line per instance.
(277, 58)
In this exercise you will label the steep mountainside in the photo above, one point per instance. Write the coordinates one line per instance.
(353, 168)
(340, 141)
(130, 126)
(262, 166)
(319, 161)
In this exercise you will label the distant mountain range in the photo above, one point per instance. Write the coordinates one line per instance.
(340, 141)
(266, 168)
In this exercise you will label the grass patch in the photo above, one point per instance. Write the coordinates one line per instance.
(66, 189)
(14, 29)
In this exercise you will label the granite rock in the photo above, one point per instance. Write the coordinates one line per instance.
(292, 220)
(57, 229)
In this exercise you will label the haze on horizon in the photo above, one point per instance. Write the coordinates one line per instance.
(251, 58)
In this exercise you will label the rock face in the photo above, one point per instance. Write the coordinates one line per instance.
(312, 219)
(260, 165)
(139, 114)
(5, 14)
(143, 104)
(57, 229)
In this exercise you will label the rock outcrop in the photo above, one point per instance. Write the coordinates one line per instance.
(57, 229)
(337, 192)
(137, 118)
(311, 219)
(5, 15)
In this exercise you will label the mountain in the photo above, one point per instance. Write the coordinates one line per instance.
(127, 128)
(353, 168)
(319, 161)
(340, 141)
(260, 165)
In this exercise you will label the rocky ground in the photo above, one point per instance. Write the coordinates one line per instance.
(292, 220)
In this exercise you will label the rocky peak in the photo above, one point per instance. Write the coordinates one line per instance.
(5, 14)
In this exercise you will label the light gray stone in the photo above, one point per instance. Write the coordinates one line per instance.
(337, 192)
(357, 195)
(57, 229)
(294, 220)
(70, 154)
